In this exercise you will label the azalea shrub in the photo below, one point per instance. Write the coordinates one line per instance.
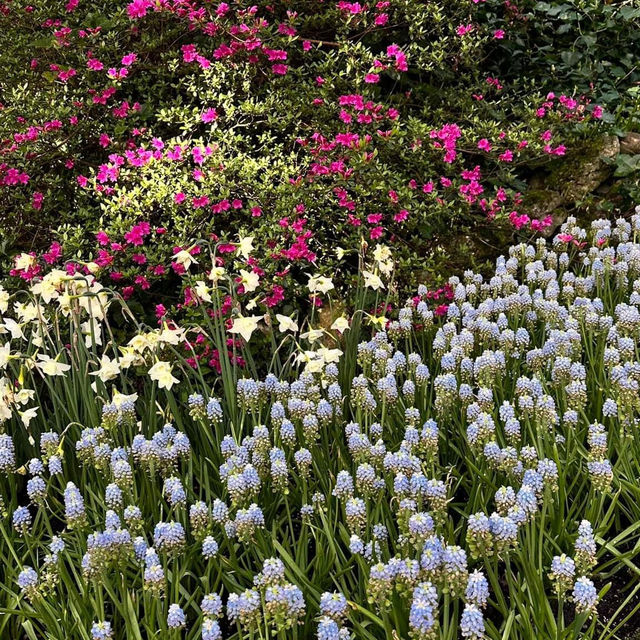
(132, 131)
(467, 470)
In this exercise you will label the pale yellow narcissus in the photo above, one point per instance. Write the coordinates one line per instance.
(120, 398)
(378, 321)
(245, 326)
(383, 258)
(372, 281)
(171, 336)
(49, 287)
(5, 394)
(26, 312)
(23, 396)
(11, 326)
(313, 362)
(4, 300)
(109, 369)
(329, 355)
(24, 261)
(129, 357)
(340, 324)
(320, 284)
(313, 335)
(5, 354)
(202, 291)
(92, 332)
(249, 280)
(28, 415)
(161, 373)
(184, 258)
(216, 274)
(245, 246)
(50, 367)
(285, 323)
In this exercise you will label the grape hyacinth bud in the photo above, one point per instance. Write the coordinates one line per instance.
(28, 582)
(176, 618)
(472, 622)
(211, 630)
(563, 571)
(244, 608)
(211, 605)
(479, 537)
(199, 518)
(333, 605)
(101, 631)
(585, 596)
(74, 506)
(477, 591)
(455, 573)
(209, 548)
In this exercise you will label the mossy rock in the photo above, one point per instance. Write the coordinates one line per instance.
(585, 171)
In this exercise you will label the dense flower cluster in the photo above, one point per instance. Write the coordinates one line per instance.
(454, 468)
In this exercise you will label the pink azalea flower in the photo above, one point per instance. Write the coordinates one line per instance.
(129, 59)
(209, 115)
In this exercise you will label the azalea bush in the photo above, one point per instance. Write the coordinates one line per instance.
(132, 131)
(466, 469)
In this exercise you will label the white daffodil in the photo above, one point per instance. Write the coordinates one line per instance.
(383, 258)
(24, 262)
(249, 280)
(37, 339)
(12, 327)
(161, 373)
(92, 332)
(171, 336)
(216, 274)
(184, 258)
(94, 301)
(245, 246)
(202, 291)
(245, 326)
(4, 300)
(143, 341)
(28, 415)
(129, 357)
(285, 323)
(372, 281)
(64, 303)
(49, 287)
(51, 367)
(313, 335)
(120, 398)
(5, 354)
(5, 411)
(109, 369)
(329, 355)
(381, 253)
(320, 284)
(26, 311)
(23, 396)
(340, 324)
(313, 362)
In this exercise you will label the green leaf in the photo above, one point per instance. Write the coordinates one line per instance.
(627, 165)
